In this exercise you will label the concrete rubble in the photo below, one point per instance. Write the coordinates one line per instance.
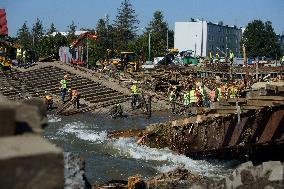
(28, 160)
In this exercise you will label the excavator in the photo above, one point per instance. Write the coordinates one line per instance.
(77, 53)
(127, 59)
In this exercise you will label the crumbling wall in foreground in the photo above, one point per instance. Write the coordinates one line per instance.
(27, 160)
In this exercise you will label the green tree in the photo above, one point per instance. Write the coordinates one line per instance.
(158, 30)
(51, 29)
(71, 32)
(125, 25)
(50, 45)
(272, 46)
(102, 43)
(260, 40)
(24, 37)
(37, 35)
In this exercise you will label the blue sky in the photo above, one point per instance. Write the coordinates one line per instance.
(85, 13)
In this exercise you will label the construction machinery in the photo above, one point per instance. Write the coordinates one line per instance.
(79, 53)
(125, 59)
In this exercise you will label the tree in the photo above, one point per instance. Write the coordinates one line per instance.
(51, 29)
(71, 32)
(37, 35)
(125, 25)
(158, 30)
(260, 40)
(103, 42)
(50, 45)
(24, 37)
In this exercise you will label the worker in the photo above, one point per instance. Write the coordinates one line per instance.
(48, 101)
(217, 57)
(193, 97)
(116, 111)
(186, 101)
(231, 57)
(172, 98)
(210, 57)
(219, 93)
(135, 94)
(75, 99)
(19, 56)
(204, 99)
(24, 57)
(212, 96)
(282, 60)
(63, 87)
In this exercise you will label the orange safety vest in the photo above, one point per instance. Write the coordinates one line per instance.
(74, 93)
(212, 95)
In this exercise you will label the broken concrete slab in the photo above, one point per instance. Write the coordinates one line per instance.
(7, 120)
(30, 161)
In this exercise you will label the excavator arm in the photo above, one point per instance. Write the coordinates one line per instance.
(82, 37)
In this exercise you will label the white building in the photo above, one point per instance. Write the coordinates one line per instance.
(203, 37)
(77, 33)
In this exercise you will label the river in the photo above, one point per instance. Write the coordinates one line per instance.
(107, 159)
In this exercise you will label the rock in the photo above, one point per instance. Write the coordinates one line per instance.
(74, 172)
(7, 120)
(30, 161)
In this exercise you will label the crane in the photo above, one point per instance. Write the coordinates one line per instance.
(77, 42)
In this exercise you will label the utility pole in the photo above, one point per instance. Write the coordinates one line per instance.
(167, 39)
(149, 46)
(87, 61)
(202, 38)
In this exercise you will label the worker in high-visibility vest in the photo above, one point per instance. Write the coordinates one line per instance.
(211, 57)
(24, 56)
(186, 101)
(217, 57)
(135, 95)
(63, 87)
(282, 60)
(75, 98)
(231, 57)
(19, 56)
(219, 94)
(173, 98)
(193, 97)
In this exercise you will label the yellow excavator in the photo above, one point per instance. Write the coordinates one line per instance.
(125, 59)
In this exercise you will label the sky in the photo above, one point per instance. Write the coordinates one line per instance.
(86, 13)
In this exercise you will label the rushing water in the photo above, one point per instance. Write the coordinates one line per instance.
(108, 159)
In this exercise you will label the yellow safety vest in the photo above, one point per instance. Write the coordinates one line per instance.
(283, 58)
(63, 83)
(192, 96)
(186, 99)
(19, 52)
(219, 94)
(231, 55)
(134, 89)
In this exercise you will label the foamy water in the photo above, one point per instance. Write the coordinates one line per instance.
(163, 160)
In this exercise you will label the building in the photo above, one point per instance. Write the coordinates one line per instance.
(281, 41)
(203, 37)
(77, 33)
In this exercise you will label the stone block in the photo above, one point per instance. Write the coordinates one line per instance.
(7, 121)
(28, 119)
(275, 168)
(30, 161)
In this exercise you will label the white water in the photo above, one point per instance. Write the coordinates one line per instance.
(163, 160)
